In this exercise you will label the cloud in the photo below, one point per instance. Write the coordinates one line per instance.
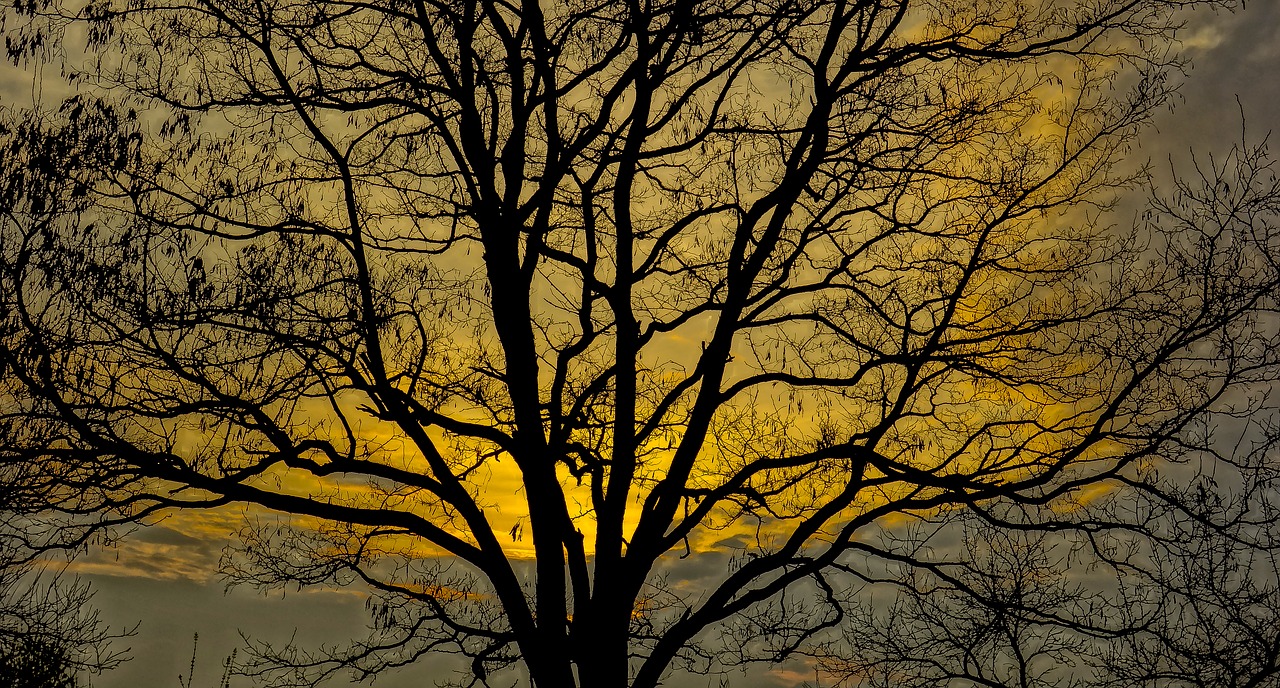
(159, 553)
(1234, 55)
(182, 546)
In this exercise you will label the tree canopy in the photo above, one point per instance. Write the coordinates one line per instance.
(769, 276)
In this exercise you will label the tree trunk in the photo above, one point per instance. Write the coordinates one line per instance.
(602, 649)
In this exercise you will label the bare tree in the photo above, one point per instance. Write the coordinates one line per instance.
(992, 607)
(1194, 607)
(1190, 598)
(1202, 552)
(1169, 578)
(50, 636)
(765, 272)
(1213, 607)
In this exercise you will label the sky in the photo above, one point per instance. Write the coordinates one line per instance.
(162, 578)
(1237, 56)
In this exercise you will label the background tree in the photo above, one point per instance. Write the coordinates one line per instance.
(1189, 599)
(1192, 608)
(997, 608)
(1170, 579)
(49, 635)
(768, 273)
(1203, 552)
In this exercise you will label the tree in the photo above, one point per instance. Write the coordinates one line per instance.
(50, 634)
(1169, 580)
(49, 637)
(997, 609)
(1204, 550)
(762, 272)
(1009, 608)
(1188, 598)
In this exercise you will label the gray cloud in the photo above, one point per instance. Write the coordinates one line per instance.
(1235, 55)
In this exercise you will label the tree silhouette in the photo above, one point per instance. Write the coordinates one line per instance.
(1186, 597)
(1169, 578)
(757, 275)
(998, 609)
(50, 635)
